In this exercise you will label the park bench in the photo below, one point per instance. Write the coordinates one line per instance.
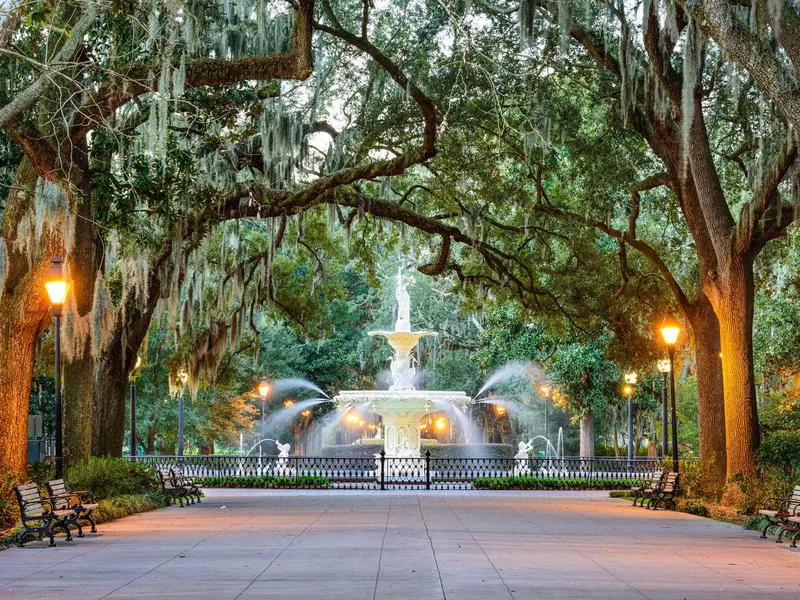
(81, 501)
(669, 489)
(172, 490)
(39, 517)
(778, 511)
(189, 484)
(644, 492)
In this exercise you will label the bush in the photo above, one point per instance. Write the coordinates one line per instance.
(781, 450)
(129, 504)
(107, 476)
(698, 479)
(694, 507)
(552, 483)
(266, 481)
(9, 512)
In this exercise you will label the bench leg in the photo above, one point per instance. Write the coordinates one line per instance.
(765, 528)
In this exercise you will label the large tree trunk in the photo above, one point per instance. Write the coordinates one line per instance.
(734, 308)
(79, 368)
(710, 395)
(587, 435)
(23, 312)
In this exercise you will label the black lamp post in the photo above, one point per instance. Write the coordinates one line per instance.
(56, 286)
(182, 377)
(263, 391)
(630, 380)
(664, 368)
(133, 407)
(670, 330)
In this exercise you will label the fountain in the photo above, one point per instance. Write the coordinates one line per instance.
(401, 407)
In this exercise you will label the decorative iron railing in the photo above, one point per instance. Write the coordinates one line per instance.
(384, 472)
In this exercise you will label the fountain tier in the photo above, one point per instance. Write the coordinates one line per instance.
(401, 407)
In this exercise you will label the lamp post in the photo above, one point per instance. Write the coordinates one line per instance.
(664, 368)
(630, 381)
(544, 390)
(56, 286)
(670, 330)
(263, 391)
(182, 376)
(133, 406)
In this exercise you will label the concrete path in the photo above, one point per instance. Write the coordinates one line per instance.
(429, 545)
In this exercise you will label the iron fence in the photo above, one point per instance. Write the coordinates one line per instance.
(384, 472)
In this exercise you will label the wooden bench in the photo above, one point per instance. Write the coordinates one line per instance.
(665, 495)
(171, 490)
(778, 511)
(39, 517)
(644, 492)
(81, 501)
(190, 486)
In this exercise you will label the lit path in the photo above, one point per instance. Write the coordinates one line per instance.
(406, 545)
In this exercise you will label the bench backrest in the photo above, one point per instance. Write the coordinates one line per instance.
(655, 480)
(56, 488)
(793, 501)
(29, 499)
(671, 482)
(165, 475)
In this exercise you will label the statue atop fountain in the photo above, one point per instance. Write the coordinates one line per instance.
(402, 340)
(401, 406)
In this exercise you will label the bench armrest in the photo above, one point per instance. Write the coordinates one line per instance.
(773, 503)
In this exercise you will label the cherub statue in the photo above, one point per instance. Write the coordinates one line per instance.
(524, 449)
(283, 449)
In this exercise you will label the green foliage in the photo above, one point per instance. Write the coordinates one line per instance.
(585, 377)
(781, 450)
(9, 511)
(694, 507)
(553, 483)
(266, 481)
(108, 476)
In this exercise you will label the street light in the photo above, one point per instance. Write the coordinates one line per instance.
(263, 391)
(627, 390)
(664, 368)
(670, 331)
(133, 405)
(56, 285)
(181, 377)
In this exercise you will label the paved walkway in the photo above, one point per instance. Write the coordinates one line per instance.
(429, 545)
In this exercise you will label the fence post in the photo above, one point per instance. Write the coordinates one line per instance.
(427, 469)
(383, 468)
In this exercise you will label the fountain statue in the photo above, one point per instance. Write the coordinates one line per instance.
(402, 406)
(522, 465)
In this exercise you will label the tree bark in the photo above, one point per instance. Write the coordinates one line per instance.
(710, 395)
(112, 369)
(82, 264)
(23, 314)
(587, 435)
(734, 308)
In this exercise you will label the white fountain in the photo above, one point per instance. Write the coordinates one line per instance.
(401, 406)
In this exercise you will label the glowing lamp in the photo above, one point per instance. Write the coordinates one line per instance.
(670, 330)
(631, 377)
(545, 390)
(288, 403)
(56, 283)
(627, 389)
(440, 423)
(306, 413)
(499, 410)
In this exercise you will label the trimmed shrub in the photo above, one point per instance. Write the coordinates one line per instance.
(108, 476)
(266, 481)
(9, 511)
(552, 483)
(694, 507)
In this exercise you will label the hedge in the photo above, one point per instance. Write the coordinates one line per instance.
(553, 483)
(266, 481)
